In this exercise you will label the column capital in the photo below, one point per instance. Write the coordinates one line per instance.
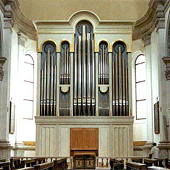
(166, 61)
(146, 40)
(22, 38)
(2, 61)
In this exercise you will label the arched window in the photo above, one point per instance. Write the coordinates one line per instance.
(28, 96)
(140, 82)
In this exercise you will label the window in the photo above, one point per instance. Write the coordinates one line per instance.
(28, 95)
(140, 82)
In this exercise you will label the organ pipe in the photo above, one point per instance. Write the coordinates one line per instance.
(120, 81)
(93, 79)
(45, 88)
(55, 88)
(51, 95)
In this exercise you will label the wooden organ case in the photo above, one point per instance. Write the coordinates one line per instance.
(83, 82)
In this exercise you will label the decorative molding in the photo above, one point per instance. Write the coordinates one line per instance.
(4, 144)
(2, 61)
(12, 12)
(146, 40)
(166, 60)
(139, 143)
(154, 18)
(22, 39)
(29, 143)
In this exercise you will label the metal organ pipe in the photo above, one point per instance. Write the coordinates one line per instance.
(88, 75)
(51, 101)
(42, 93)
(45, 88)
(55, 88)
(79, 75)
(84, 69)
(93, 80)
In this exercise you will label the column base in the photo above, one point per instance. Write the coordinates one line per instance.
(20, 150)
(147, 148)
(5, 149)
(164, 147)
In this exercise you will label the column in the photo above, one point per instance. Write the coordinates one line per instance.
(5, 90)
(164, 143)
(149, 118)
(19, 103)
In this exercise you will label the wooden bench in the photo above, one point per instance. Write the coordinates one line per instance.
(116, 164)
(60, 164)
(135, 166)
(156, 167)
(2, 160)
(15, 163)
(28, 163)
(5, 165)
(48, 165)
(139, 160)
(151, 162)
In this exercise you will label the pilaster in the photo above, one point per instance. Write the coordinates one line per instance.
(19, 110)
(5, 90)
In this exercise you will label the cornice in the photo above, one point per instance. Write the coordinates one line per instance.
(154, 18)
(21, 22)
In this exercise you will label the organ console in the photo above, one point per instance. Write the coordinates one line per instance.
(85, 62)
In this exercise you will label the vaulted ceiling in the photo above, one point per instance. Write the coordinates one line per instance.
(63, 9)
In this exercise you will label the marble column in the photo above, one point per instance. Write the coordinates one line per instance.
(164, 143)
(148, 57)
(5, 90)
(19, 110)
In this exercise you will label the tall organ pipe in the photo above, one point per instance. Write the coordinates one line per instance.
(42, 93)
(55, 88)
(75, 81)
(45, 88)
(79, 75)
(84, 70)
(52, 85)
(93, 80)
(67, 53)
(120, 81)
(48, 82)
(88, 75)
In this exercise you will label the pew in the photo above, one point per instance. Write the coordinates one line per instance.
(5, 165)
(48, 165)
(151, 162)
(135, 166)
(156, 167)
(116, 164)
(28, 163)
(2, 160)
(15, 163)
(60, 164)
(139, 160)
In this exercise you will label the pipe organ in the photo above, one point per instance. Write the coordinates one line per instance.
(83, 82)
(84, 75)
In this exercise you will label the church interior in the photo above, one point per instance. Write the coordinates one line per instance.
(84, 84)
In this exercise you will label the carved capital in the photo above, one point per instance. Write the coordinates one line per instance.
(2, 61)
(146, 40)
(166, 60)
(22, 38)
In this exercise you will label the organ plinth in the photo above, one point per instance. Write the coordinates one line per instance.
(83, 82)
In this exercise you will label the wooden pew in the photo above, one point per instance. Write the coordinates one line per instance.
(28, 163)
(2, 160)
(156, 167)
(116, 164)
(151, 162)
(15, 163)
(5, 165)
(48, 165)
(135, 166)
(60, 164)
(139, 160)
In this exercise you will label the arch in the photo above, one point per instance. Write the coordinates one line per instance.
(98, 44)
(84, 15)
(41, 46)
(127, 46)
(64, 40)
